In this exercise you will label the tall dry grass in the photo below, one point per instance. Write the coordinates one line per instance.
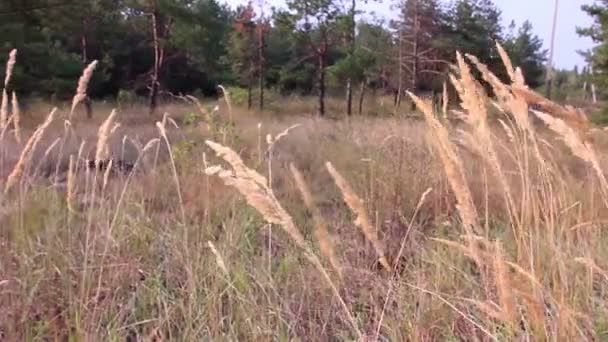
(499, 237)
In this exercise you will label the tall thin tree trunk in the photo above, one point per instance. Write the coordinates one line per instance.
(250, 87)
(322, 82)
(415, 55)
(83, 41)
(349, 81)
(261, 64)
(157, 63)
(549, 71)
(400, 73)
(361, 95)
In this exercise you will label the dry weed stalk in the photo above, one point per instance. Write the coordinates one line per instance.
(71, 185)
(504, 287)
(16, 118)
(473, 100)
(218, 258)
(83, 82)
(10, 66)
(574, 118)
(445, 101)
(26, 154)
(582, 149)
(358, 208)
(103, 135)
(452, 166)
(4, 110)
(228, 102)
(321, 232)
(255, 188)
(163, 132)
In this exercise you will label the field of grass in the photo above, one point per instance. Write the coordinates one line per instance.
(482, 223)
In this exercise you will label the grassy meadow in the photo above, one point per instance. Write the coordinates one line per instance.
(479, 221)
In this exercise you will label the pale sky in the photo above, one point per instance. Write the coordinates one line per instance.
(538, 12)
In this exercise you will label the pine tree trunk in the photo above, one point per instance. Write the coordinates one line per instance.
(261, 67)
(249, 88)
(322, 83)
(83, 41)
(415, 44)
(400, 74)
(361, 95)
(349, 81)
(157, 62)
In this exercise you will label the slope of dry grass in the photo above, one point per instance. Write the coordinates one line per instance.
(459, 230)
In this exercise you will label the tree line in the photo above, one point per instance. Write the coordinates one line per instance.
(154, 48)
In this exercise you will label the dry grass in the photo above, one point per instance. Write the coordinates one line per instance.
(81, 90)
(508, 244)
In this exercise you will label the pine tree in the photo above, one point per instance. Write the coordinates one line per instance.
(314, 22)
(526, 51)
(419, 27)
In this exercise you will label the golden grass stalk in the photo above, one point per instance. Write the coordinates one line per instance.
(506, 61)
(473, 100)
(83, 82)
(570, 115)
(254, 187)
(4, 109)
(103, 135)
(515, 104)
(452, 166)
(228, 101)
(356, 205)
(271, 141)
(504, 287)
(163, 132)
(106, 175)
(321, 232)
(581, 149)
(10, 66)
(26, 154)
(446, 100)
(71, 185)
(16, 118)
(218, 258)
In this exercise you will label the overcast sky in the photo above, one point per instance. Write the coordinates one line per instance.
(538, 12)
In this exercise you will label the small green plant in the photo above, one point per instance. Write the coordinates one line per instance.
(125, 98)
(191, 118)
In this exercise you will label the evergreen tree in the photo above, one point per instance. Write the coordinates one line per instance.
(598, 32)
(526, 51)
